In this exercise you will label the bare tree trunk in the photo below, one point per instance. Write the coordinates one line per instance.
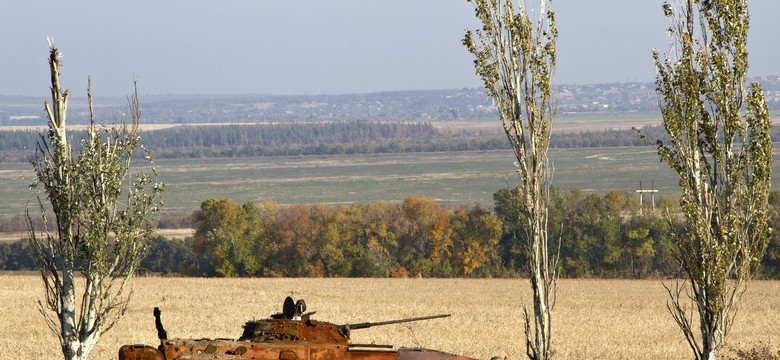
(70, 344)
(541, 346)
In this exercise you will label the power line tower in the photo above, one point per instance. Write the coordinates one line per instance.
(642, 192)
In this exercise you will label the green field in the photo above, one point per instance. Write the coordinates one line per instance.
(452, 178)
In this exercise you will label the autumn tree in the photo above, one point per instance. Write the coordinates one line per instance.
(475, 235)
(719, 145)
(376, 229)
(327, 238)
(104, 215)
(296, 233)
(515, 56)
(427, 238)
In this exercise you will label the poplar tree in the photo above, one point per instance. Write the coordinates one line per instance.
(104, 215)
(721, 149)
(515, 56)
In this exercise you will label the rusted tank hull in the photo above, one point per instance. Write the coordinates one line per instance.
(139, 352)
(225, 350)
(289, 335)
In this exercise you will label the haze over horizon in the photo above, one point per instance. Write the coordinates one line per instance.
(316, 47)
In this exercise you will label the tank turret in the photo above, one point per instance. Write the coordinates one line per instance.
(291, 334)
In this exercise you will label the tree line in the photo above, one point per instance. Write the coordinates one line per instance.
(338, 138)
(600, 236)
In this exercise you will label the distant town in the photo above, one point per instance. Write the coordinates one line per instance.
(426, 105)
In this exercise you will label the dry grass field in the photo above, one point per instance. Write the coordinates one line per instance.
(594, 319)
(173, 234)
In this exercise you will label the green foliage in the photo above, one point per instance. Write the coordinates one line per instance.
(419, 237)
(482, 241)
(515, 57)
(770, 263)
(16, 256)
(263, 140)
(598, 237)
(719, 145)
(223, 236)
(104, 215)
(172, 257)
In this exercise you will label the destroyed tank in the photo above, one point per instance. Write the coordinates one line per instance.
(289, 335)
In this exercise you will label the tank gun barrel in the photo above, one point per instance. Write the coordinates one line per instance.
(365, 325)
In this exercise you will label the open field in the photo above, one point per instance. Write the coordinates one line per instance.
(593, 319)
(575, 123)
(177, 234)
(79, 127)
(455, 178)
(567, 123)
(563, 123)
(450, 177)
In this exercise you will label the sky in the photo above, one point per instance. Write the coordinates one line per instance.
(318, 46)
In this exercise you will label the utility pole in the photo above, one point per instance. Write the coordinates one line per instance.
(642, 192)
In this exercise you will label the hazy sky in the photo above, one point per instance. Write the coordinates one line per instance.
(317, 46)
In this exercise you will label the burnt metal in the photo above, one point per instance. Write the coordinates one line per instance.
(291, 334)
(161, 333)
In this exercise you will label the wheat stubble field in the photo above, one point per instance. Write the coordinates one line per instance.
(594, 319)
